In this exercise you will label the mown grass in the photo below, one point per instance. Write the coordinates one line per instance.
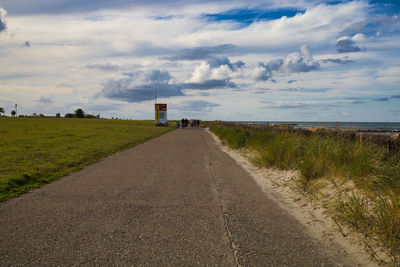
(36, 151)
(371, 208)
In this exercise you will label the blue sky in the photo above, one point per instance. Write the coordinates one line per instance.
(227, 60)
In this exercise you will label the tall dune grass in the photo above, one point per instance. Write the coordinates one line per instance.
(373, 207)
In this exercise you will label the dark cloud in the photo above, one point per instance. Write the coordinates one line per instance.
(346, 45)
(26, 44)
(202, 52)
(209, 84)
(337, 61)
(358, 101)
(119, 90)
(263, 72)
(352, 98)
(381, 99)
(154, 75)
(104, 67)
(291, 81)
(218, 62)
(395, 96)
(62, 6)
(196, 105)
(140, 86)
(76, 6)
(3, 25)
(305, 90)
(45, 100)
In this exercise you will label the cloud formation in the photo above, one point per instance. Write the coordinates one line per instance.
(3, 25)
(141, 86)
(346, 45)
(381, 24)
(381, 99)
(201, 52)
(45, 100)
(292, 63)
(337, 61)
(358, 101)
(214, 73)
(103, 67)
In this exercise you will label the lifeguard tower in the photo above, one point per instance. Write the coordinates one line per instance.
(161, 115)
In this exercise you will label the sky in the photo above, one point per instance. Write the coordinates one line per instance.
(270, 60)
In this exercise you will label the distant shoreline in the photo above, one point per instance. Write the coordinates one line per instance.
(367, 127)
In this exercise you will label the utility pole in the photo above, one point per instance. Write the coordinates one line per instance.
(155, 92)
(16, 112)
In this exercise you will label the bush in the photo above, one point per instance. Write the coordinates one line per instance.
(79, 113)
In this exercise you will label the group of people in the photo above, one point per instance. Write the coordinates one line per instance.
(185, 123)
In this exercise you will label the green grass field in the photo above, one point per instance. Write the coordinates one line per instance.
(36, 151)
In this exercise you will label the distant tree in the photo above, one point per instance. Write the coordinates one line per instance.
(58, 115)
(1, 110)
(13, 113)
(79, 113)
(34, 114)
(41, 115)
(69, 115)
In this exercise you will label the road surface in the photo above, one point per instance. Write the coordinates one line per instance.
(175, 200)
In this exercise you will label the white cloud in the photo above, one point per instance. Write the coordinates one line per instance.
(71, 47)
(390, 76)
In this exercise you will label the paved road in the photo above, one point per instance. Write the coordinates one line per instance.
(175, 200)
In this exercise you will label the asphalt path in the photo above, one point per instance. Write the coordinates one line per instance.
(174, 200)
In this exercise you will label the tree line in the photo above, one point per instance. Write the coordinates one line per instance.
(79, 113)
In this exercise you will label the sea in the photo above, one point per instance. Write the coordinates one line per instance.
(381, 127)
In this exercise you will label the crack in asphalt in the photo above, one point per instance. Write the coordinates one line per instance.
(233, 246)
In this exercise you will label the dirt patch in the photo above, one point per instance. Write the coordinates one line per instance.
(280, 185)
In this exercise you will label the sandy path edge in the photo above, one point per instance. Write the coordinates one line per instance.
(275, 183)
